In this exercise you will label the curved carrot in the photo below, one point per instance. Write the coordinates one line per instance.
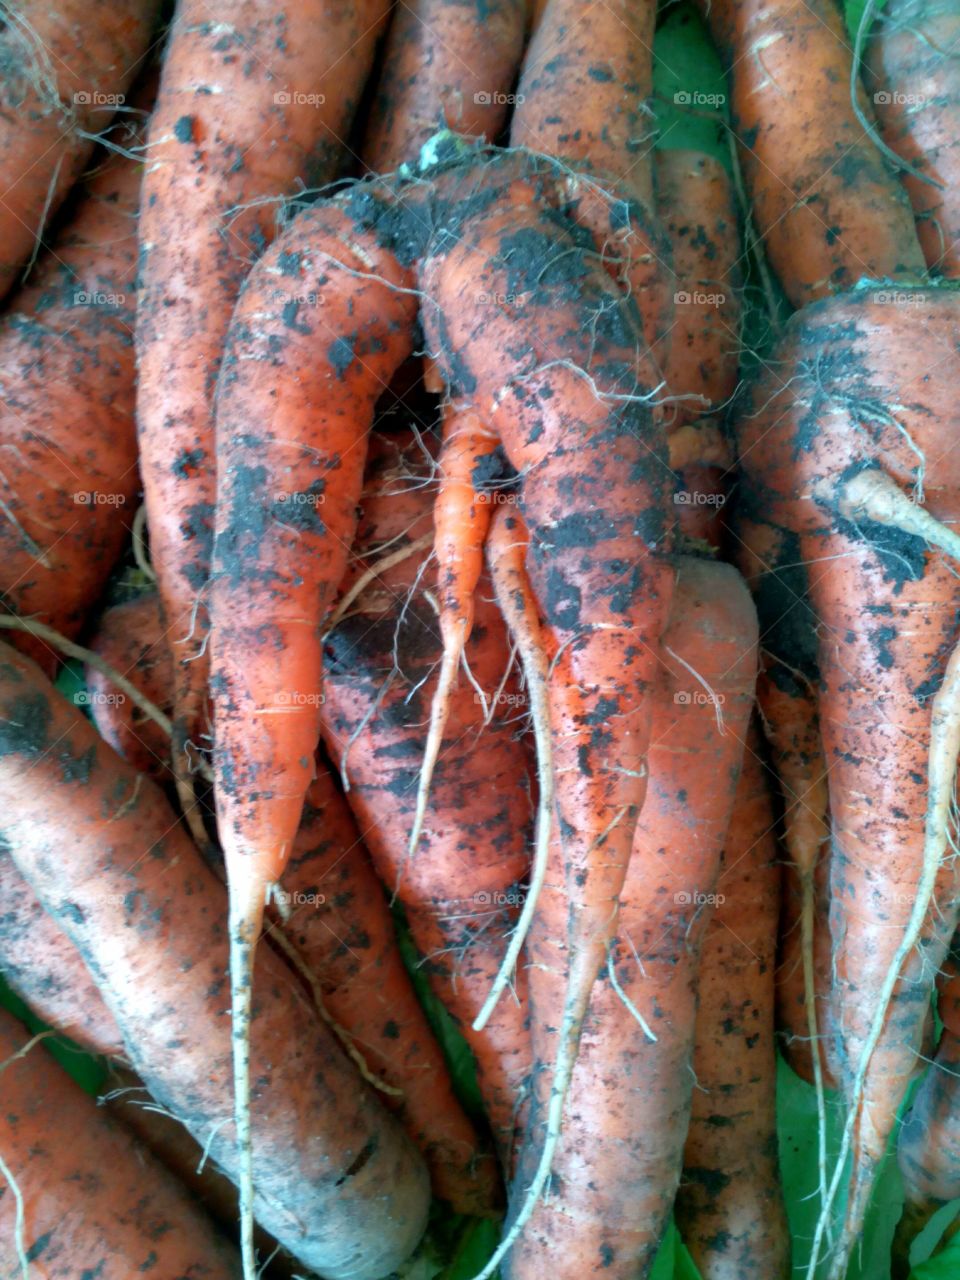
(826, 206)
(730, 1207)
(618, 1159)
(696, 205)
(338, 1183)
(80, 1197)
(446, 65)
(913, 71)
(250, 105)
(68, 457)
(66, 69)
(461, 890)
(846, 426)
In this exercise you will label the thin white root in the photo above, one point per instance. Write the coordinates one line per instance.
(48, 635)
(368, 575)
(244, 931)
(18, 1224)
(873, 495)
(450, 663)
(625, 999)
(807, 932)
(562, 1073)
(139, 544)
(533, 659)
(941, 773)
(283, 943)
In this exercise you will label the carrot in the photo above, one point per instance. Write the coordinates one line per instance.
(79, 1196)
(68, 459)
(340, 925)
(701, 459)
(339, 1184)
(619, 1156)
(130, 638)
(250, 105)
(730, 1204)
(446, 65)
(913, 71)
(42, 966)
(461, 890)
(696, 205)
(846, 424)
(825, 205)
(562, 394)
(338, 932)
(928, 1144)
(66, 70)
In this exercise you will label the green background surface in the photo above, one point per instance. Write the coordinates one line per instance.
(456, 1248)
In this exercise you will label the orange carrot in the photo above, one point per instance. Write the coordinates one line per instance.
(339, 1184)
(42, 966)
(250, 105)
(68, 459)
(461, 888)
(130, 638)
(828, 209)
(618, 1160)
(701, 459)
(848, 423)
(913, 70)
(730, 1207)
(446, 65)
(66, 69)
(696, 205)
(339, 923)
(79, 1196)
(338, 931)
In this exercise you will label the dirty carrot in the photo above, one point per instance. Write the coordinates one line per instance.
(339, 1184)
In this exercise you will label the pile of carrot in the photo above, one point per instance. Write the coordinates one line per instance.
(480, 588)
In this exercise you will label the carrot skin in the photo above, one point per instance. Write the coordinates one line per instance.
(618, 1163)
(42, 966)
(885, 605)
(730, 1208)
(460, 889)
(68, 478)
(339, 1184)
(695, 203)
(913, 72)
(247, 107)
(336, 918)
(828, 209)
(445, 65)
(130, 638)
(66, 68)
(94, 1201)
